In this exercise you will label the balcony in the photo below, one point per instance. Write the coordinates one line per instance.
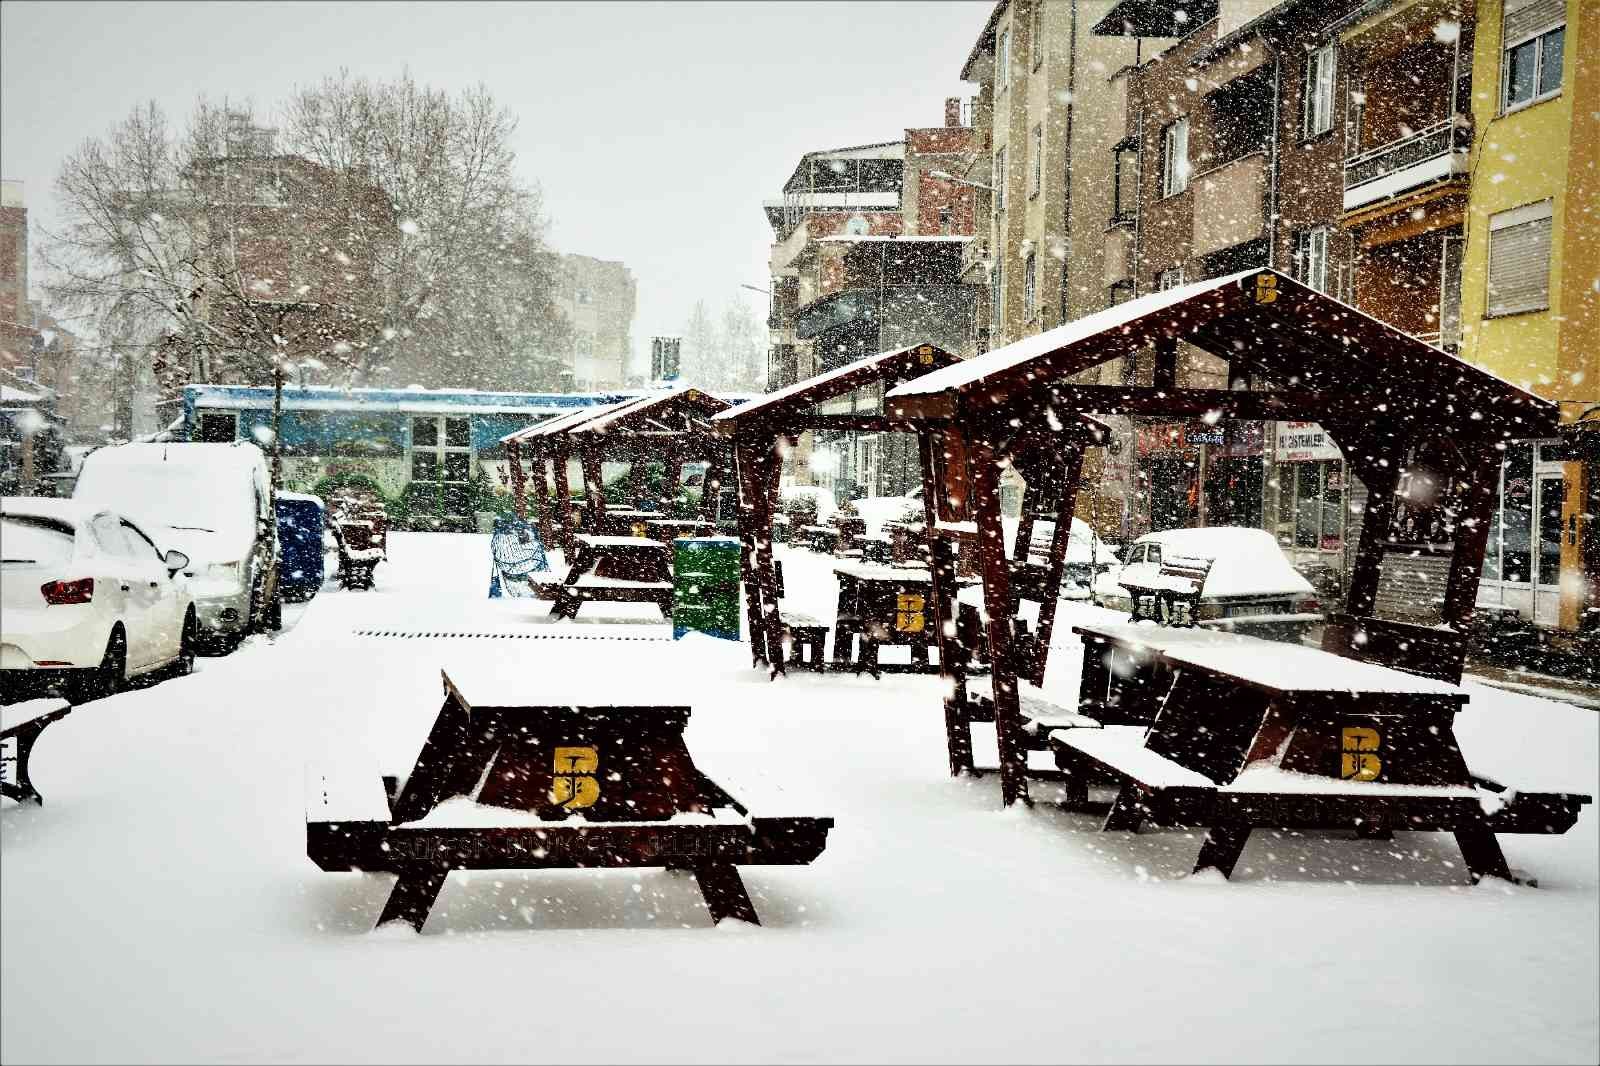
(1437, 153)
(857, 322)
(1230, 204)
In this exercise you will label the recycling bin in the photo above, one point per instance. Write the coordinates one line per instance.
(705, 586)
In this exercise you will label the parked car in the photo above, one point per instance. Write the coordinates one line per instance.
(1248, 575)
(301, 524)
(212, 501)
(89, 599)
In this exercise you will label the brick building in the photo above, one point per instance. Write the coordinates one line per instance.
(18, 338)
(867, 252)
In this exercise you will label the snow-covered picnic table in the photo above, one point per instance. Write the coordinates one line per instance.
(1246, 733)
(544, 773)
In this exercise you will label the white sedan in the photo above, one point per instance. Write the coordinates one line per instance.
(88, 598)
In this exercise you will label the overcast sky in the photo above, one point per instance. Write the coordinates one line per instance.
(655, 130)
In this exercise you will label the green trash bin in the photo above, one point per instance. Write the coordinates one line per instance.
(705, 586)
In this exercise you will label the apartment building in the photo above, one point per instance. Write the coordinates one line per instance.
(867, 253)
(1362, 147)
(1530, 309)
(18, 338)
(599, 298)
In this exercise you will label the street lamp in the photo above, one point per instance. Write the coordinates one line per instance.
(752, 288)
(946, 176)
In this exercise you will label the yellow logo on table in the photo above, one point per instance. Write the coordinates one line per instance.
(908, 616)
(1266, 288)
(574, 784)
(1359, 759)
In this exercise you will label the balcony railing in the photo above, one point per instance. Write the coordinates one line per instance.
(1430, 155)
(891, 317)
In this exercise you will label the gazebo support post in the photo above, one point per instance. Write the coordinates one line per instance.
(542, 495)
(593, 489)
(942, 568)
(564, 520)
(1070, 472)
(711, 487)
(519, 483)
(998, 604)
(636, 476)
(745, 463)
(1471, 537)
(1381, 474)
(1166, 369)
(771, 469)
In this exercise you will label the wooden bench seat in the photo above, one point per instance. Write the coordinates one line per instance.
(803, 632)
(20, 726)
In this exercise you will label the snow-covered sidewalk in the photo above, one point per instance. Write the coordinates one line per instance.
(161, 907)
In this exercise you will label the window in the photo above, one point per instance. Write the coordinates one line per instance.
(1002, 59)
(999, 180)
(1311, 504)
(108, 535)
(139, 545)
(1318, 90)
(1152, 553)
(1038, 161)
(945, 220)
(1519, 260)
(1170, 278)
(1125, 188)
(1311, 257)
(1029, 285)
(441, 460)
(1535, 35)
(1121, 292)
(218, 427)
(997, 296)
(1036, 33)
(1175, 158)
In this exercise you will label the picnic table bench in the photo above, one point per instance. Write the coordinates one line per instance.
(360, 551)
(610, 569)
(20, 726)
(881, 605)
(567, 782)
(1245, 734)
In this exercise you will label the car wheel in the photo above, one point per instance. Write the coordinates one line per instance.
(187, 645)
(112, 673)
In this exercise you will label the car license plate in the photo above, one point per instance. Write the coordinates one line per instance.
(1245, 609)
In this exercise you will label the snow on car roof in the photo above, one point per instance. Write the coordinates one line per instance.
(216, 456)
(1245, 562)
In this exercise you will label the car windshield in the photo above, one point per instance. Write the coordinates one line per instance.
(183, 497)
(33, 542)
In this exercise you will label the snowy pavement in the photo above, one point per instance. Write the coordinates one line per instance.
(160, 906)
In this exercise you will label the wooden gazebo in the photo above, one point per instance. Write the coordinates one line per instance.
(761, 428)
(1291, 353)
(671, 427)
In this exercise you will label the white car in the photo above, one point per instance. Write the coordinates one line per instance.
(1248, 575)
(212, 501)
(89, 600)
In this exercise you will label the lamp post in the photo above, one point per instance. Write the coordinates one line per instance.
(944, 175)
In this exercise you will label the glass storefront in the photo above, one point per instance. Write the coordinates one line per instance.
(1522, 566)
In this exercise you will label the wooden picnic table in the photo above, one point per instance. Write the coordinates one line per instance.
(1245, 733)
(566, 771)
(667, 530)
(882, 604)
(20, 726)
(611, 569)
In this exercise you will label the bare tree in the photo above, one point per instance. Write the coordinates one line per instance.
(466, 292)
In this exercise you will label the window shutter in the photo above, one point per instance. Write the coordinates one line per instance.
(1523, 17)
(1519, 267)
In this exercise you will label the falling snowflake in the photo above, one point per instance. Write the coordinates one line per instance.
(410, 228)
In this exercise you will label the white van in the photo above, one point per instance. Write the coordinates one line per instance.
(213, 502)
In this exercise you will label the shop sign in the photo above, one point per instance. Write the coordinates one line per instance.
(1167, 437)
(1304, 442)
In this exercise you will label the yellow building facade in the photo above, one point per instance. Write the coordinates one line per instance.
(1530, 305)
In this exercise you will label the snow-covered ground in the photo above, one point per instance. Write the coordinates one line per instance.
(160, 905)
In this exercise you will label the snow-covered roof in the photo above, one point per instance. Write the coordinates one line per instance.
(868, 238)
(823, 386)
(239, 454)
(420, 401)
(11, 395)
(600, 422)
(1266, 319)
(563, 422)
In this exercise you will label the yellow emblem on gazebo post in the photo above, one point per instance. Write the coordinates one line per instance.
(908, 613)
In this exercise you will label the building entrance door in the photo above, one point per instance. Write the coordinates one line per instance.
(1550, 493)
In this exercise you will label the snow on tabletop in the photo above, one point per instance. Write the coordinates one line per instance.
(600, 674)
(594, 581)
(1273, 664)
(13, 715)
(347, 790)
(1122, 748)
(882, 572)
(1261, 777)
(462, 812)
(619, 542)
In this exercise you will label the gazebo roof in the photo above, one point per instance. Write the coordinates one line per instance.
(646, 408)
(562, 423)
(897, 364)
(1325, 358)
